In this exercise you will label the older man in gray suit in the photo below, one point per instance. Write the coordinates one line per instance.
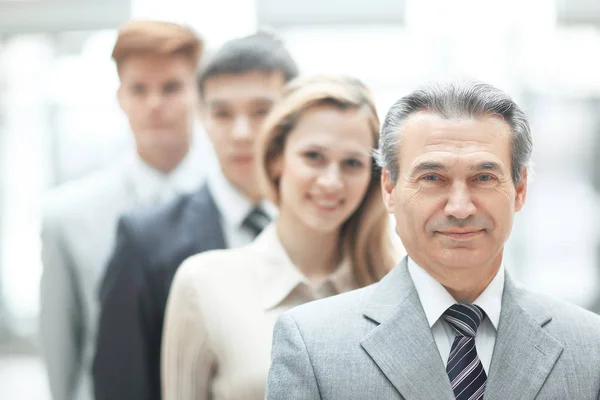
(447, 322)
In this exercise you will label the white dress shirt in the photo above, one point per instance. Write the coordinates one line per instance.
(152, 186)
(234, 207)
(435, 300)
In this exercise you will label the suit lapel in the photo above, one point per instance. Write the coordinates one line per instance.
(402, 345)
(524, 353)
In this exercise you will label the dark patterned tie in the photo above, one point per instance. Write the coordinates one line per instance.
(464, 368)
(256, 220)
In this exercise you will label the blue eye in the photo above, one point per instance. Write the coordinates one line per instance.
(484, 178)
(431, 178)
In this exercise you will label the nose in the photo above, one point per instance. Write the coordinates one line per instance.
(460, 204)
(330, 179)
(154, 100)
(242, 129)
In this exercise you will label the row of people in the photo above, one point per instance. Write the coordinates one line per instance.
(190, 291)
(104, 293)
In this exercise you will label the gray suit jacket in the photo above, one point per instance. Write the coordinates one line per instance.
(375, 343)
(78, 235)
(78, 230)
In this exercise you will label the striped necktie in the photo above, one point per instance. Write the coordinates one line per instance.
(464, 367)
(256, 221)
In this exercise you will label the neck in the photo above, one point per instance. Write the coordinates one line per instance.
(164, 160)
(315, 254)
(465, 285)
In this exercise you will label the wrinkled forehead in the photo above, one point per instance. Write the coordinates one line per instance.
(427, 136)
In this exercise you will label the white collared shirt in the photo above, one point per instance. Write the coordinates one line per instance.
(152, 186)
(234, 207)
(435, 300)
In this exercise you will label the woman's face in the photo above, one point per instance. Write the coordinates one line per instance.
(325, 169)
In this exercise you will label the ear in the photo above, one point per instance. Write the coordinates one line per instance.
(276, 167)
(521, 191)
(387, 189)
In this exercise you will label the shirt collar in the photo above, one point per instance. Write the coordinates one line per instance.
(282, 276)
(435, 299)
(233, 206)
(150, 184)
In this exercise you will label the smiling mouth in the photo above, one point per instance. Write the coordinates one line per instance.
(466, 235)
(327, 205)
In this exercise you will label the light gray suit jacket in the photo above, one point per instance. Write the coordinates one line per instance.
(78, 233)
(375, 343)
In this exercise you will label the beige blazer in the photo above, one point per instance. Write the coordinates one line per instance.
(220, 316)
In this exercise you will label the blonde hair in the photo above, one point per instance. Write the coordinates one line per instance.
(157, 37)
(365, 235)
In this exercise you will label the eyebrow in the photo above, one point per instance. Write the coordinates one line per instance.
(487, 166)
(436, 166)
(347, 154)
(427, 166)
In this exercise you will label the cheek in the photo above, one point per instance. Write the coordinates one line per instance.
(358, 185)
(417, 211)
(296, 175)
(497, 204)
(177, 104)
(410, 199)
(217, 134)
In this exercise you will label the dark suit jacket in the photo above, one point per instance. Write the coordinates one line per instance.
(150, 246)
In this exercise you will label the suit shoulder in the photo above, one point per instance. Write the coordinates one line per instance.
(565, 316)
(79, 196)
(153, 224)
(320, 312)
(150, 214)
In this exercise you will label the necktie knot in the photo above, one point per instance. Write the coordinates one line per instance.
(464, 318)
(256, 221)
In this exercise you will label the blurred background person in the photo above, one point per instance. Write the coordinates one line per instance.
(238, 86)
(157, 63)
(331, 236)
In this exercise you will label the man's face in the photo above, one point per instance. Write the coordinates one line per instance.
(158, 94)
(455, 199)
(233, 110)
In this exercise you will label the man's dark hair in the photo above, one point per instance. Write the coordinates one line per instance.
(261, 51)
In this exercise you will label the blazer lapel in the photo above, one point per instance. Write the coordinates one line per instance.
(524, 353)
(402, 345)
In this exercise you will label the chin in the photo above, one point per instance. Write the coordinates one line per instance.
(460, 258)
(324, 227)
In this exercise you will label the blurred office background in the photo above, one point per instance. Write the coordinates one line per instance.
(59, 118)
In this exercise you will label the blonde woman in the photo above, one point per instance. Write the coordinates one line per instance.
(331, 236)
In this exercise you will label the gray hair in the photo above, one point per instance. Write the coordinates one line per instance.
(470, 99)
